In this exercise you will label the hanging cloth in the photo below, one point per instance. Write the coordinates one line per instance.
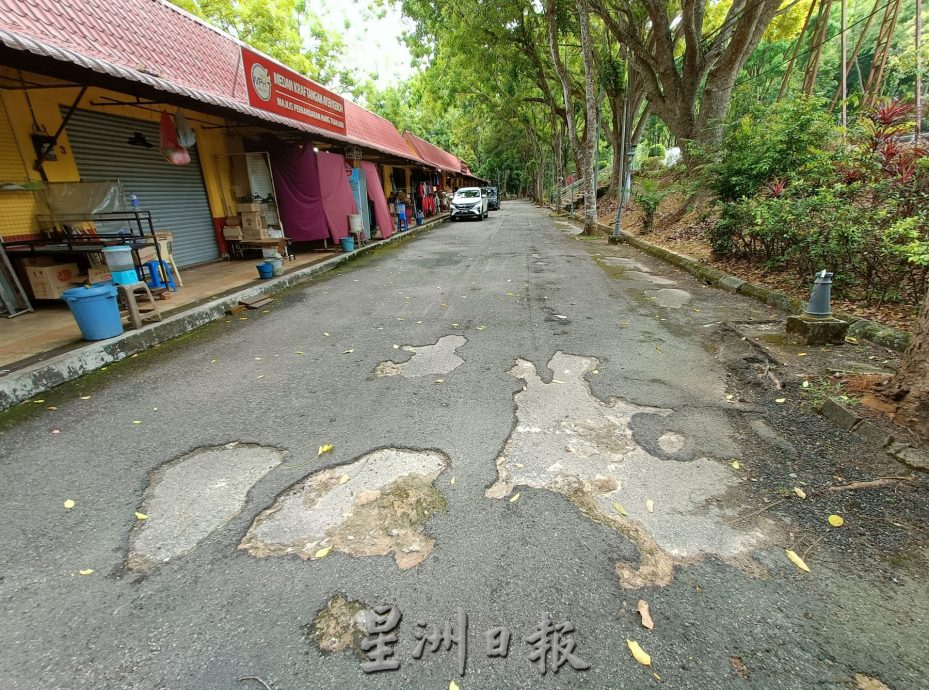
(173, 152)
(185, 133)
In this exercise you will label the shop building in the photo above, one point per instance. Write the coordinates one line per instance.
(86, 87)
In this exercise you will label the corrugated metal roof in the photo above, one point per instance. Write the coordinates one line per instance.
(375, 131)
(432, 154)
(157, 44)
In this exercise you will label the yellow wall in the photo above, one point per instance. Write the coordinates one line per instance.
(387, 181)
(17, 209)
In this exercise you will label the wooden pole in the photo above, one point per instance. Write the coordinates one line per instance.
(845, 65)
(919, 69)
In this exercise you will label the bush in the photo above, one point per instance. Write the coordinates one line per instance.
(768, 143)
(648, 199)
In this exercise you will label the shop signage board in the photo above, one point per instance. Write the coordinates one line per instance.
(282, 91)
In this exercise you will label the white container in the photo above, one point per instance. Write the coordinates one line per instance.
(354, 223)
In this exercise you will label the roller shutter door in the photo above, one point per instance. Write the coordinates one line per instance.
(174, 194)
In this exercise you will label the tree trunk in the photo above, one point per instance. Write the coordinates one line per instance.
(911, 384)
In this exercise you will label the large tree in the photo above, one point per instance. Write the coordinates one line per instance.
(689, 68)
(911, 384)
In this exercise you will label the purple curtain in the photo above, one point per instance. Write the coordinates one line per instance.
(299, 199)
(376, 195)
(338, 200)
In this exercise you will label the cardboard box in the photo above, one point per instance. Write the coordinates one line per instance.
(253, 221)
(48, 282)
(249, 208)
(232, 232)
(254, 234)
(98, 274)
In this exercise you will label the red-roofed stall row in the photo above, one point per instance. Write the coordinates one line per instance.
(220, 145)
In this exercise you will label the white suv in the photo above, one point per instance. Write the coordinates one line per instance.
(469, 202)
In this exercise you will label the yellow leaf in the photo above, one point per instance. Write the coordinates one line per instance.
(257, 359)
(780, 400)
(805, 384)
(325, 448)
(451, 481)
(38, 402)
(657, 677)
(51, 408)
(298, 352)
(348, 352)
(836, 520)
(88, 571)
(736, 465)
(326, 334)
(800, 492)
(638, 653)
(519, 465)
(136, 421)
(260, 376)
(618, 507)
(85, 397)
(801, 354)
(440, 380)
(69, 504)
(212, 361)
(481, 328)
(796, 560)
(851, 339)
(730, 396)
(141, 516)
(453, 686)
(344, 478)
(322, 553)
(515, 497)
(650, 505)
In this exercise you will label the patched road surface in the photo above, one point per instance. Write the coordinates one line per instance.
(500, 423)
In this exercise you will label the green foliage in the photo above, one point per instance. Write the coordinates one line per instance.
(769, 143)
(648, 198)
(860, 210)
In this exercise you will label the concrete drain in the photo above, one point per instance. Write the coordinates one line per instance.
(191, 497)
(440, 358)
(375, 506)
(568, 441)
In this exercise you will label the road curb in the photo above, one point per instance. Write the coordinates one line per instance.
(23, 384)
(860, 328)
(898, 448)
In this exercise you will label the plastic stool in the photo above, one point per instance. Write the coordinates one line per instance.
(155, 279)
(129, 295)
(402, 222)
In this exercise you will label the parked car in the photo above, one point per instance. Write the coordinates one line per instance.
(469, 202)
(493, 198)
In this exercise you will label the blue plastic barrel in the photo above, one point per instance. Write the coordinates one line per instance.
(96, 311)
(265, 270)
(348, 244)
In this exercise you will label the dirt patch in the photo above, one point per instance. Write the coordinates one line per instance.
(375, 506)
(339, 626)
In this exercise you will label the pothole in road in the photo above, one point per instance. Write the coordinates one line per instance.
(191, 497)
(339, 626)
(375, 506)
(568, 441)
(670, 298)
(440, 358)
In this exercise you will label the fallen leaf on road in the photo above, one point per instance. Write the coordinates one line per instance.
(655, 675)
(56, 431)
(657, 349)
(344, 478)
(519, 465)
(325, 334)
(730, 396)
(396, 347)
(212, 361)
(650, 506)
(69, 504)
(638, 653)
(325, 448)
(481, 328)
(136, 421)
(452, 480)
(851, 339)
(322, 553)
(618, 507)
(781, 400)
(515, 497)
(805, 384)
(800, 492)
(836, 520)
(87, 571)
(796, 560)
(257, 359)
(51, 408)
(453, 685)
(298, 352)
(647, 621)
(38, 402)
(440, 380)
(348, 352)
(260, 376)
(736, 465)
(739, 666)
(801, 354)
(141, 516)
(87, 397)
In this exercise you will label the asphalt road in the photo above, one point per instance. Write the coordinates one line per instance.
(522, 422)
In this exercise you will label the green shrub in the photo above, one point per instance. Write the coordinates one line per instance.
(770, 143)
(649, 198)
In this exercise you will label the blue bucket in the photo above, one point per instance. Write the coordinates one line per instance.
(265, 270)
(96, 311)
(348, 244)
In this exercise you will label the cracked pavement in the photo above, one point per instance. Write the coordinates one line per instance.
(491, 391)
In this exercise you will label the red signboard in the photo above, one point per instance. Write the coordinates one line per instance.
(282, 91)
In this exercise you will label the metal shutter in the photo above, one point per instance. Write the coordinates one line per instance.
(173, 193)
